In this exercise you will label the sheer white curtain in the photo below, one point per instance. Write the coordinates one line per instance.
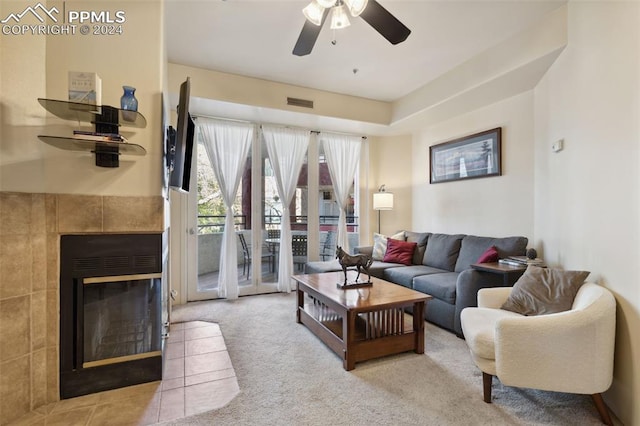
(343, 155)
(287, 148)
(227, 144)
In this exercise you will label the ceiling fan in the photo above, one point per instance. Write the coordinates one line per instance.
(370, 10)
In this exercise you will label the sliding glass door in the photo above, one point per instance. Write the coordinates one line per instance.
(256, 219)
(257, 213)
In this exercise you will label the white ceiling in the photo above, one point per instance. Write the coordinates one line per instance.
(255, 38)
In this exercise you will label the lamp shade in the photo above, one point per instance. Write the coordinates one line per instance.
(339, 18)
(383, 201)
(313, 12)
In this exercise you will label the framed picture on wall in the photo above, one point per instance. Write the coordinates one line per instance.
(469, 157)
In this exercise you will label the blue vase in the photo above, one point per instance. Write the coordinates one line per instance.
(129, 102)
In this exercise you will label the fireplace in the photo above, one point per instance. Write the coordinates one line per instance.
(110, 312)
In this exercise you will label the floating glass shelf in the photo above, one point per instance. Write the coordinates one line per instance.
(106, 119)
(76, 144)
(90, 113)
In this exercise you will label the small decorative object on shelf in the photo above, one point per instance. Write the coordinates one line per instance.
(362, 262)
(532, 253)
(85, 88)
(128, 102)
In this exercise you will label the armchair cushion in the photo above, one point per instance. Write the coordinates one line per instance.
(541, 291)
(480, 328)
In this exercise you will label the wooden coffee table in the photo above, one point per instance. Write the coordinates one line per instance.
(357, 326)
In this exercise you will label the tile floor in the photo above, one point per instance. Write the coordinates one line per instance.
(198, 377)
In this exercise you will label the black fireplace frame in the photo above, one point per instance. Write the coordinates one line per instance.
(101, 255)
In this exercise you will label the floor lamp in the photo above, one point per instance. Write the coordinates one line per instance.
(382, 200)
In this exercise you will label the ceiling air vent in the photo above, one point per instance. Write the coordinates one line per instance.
(299, 102)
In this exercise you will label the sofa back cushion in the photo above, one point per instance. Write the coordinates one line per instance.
(473, 247)
(420, 238)
(442, 251)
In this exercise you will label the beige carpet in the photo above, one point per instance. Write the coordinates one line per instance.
(289, 377)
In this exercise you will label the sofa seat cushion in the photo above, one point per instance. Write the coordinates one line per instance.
(378, 268)
(472, 247)
(405, 275)
(441, 286)
(478, 326)
(322, 267)
(442, 251)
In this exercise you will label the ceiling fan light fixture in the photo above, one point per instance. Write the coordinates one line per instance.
(313, 12)
(326, 3)
(339, 18)
(356, 7)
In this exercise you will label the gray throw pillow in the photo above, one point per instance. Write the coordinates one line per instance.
(541, 291)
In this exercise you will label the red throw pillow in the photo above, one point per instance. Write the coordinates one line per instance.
(399, 251)
(490, 255)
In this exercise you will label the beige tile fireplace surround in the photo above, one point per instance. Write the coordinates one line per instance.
(30, 229)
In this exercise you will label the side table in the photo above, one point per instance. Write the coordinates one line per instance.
(510, 274)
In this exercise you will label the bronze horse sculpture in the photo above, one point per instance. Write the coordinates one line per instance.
(360, 261)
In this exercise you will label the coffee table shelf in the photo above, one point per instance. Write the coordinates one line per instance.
(363, 329)
(357, 328)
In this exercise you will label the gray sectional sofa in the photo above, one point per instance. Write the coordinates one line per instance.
(442, 268)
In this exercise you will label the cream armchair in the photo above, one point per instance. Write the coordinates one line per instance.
(570, 351)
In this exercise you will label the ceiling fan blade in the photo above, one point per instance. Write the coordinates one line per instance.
(385, 23)
(308, 37)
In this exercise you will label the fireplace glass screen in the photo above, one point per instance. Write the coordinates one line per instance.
(120, 318)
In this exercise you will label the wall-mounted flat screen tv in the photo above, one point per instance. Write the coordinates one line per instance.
(181, 142)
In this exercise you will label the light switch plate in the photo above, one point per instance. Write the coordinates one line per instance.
(558, 145)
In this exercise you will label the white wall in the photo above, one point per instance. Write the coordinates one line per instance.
(390, 164)
(36, 66)
(22, 81)
(587, 205)
(492, 206)
(236, 89)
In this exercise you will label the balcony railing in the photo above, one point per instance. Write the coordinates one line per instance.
(209, 224)
(212, 224)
